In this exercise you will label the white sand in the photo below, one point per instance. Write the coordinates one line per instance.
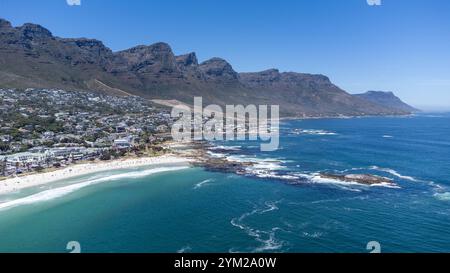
(38, 179)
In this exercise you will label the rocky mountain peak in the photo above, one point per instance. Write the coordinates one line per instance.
(273, 78)
(218, 69)
(387, 99)
(306, 78)
(89, 51)
(4, 24)
(155, 58)
(86, 43)
(89, 45)
(153, 71)
(157, 49)
(260, 78)
(271, 71)
(33, 31)
(189, 59)
(160, 47)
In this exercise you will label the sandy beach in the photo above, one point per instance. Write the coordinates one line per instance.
(37, 179)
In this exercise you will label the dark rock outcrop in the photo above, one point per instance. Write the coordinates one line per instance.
(156, 59)
(188, 64)
(365, 179)
(34, 32)
(187, 60)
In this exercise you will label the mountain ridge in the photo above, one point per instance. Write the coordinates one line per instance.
(30, 56)
(387, 99)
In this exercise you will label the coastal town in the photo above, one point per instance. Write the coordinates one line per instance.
(46, 129)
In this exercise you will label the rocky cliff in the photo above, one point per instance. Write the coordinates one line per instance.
(30, 56)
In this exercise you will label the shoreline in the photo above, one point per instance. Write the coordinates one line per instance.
(347, 117)
(10, 185)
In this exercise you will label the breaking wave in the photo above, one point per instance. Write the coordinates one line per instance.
(352, 186)
(203, 183)
(275, 168)
(394, 173)
(313, 235)
(65, 190)
(225, 148)
(442, 196)
(267, 239)
(216, 155)
(184, 249)
(312, 132)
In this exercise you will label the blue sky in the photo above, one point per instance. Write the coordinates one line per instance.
(401, 46)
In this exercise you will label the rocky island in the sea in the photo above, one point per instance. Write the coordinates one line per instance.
(366, 179)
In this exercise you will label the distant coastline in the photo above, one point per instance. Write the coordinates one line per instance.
(348, 117)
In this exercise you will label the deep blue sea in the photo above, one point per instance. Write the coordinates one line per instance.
(282, 206)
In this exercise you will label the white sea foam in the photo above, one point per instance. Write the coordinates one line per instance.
(274, 175)
(15, 184)
(343, 185)
(268, 165)
(270, 244)
(269, 168)
(394, 173)
(442, 196)
(313, 235)
(316, 178)
(263, 168)
(184, 249)
(65, 190)
(346, 185)
(386, 185)
(404, 177)
(271, 206)
(312, 132)
(216, 155)
(261, 161)
(268, 240)
(273, 168)
(226, 148)
(203, 183)
(387, 136)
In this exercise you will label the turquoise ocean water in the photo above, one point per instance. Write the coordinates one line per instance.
(281, 206)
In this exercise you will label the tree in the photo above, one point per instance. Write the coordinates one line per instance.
(4, 146)
(105, 156)
(3, 167)
(39, 168)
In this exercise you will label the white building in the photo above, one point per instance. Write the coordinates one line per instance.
(25, 158)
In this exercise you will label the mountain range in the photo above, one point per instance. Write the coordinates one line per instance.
(387, 99)
(30, 56)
